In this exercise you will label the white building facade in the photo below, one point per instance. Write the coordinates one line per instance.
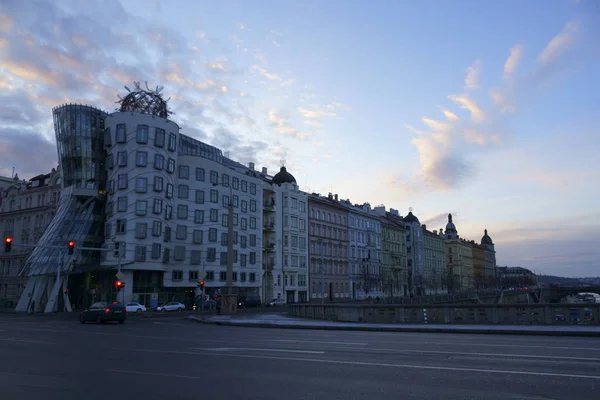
(285, 238)
(167, 212)
(365, 259)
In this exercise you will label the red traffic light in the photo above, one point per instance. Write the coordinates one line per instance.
(202, 282)
(119, 283)
(7, 244)
(71, 244)
(8, 240)
(71, 247)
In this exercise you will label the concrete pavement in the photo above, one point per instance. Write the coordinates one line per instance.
(174, 358)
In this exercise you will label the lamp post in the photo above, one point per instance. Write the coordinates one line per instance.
(229, 295)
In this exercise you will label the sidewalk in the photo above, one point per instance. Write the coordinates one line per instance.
(283, 321)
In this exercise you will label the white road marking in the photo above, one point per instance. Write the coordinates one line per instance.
(122, 371)
(503, 345)
(11, 339)
(369, 364)
(320, 342)
(485, 354)
(254, 349)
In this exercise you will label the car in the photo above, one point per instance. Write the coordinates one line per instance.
(135, 307)
(104, 311)
(171, 306)
(250, 301)
(276, 303)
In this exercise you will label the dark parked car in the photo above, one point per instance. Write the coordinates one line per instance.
(250, 301)
(103, 311)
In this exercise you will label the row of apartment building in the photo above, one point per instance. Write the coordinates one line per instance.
(138, 196)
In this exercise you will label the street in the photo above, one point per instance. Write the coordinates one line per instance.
(166, 358)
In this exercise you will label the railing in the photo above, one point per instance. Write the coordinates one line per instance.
(269, 226)
(269, 246)
(496, 314)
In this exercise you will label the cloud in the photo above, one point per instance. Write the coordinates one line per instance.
(241, 27)
(559, 44)
(464, 102)
(288, 82)
(473, 74)
(275, 43)
(439, 220)
(449, 114)
(279, 120)
(317, 114)
(259, 70)
(17, 145)
(513, 60)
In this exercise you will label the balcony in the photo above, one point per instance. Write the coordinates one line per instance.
(269, 246)
(269, 204)
(268, 267)
(269, 226)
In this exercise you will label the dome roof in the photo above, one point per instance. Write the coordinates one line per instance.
(486, 239)
(410, 218)
(283, 177)
(145, 101)
(450, 227)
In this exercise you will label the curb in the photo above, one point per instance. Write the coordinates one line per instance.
(508, 331)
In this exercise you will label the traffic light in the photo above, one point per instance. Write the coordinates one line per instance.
(7, 244)
(71, 247)
(201, 285)
(120, 285)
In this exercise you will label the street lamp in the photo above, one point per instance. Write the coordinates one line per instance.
(229, 295)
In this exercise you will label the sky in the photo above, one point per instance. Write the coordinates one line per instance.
(486, 110)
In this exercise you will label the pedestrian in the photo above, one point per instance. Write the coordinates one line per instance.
(219, 305)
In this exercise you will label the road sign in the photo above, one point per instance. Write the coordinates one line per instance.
(119, 275)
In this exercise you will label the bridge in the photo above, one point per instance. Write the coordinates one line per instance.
(557, 292)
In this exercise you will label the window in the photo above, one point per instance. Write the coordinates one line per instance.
(243, 277)
(110, 161)
(243, 260)
(200, 174)
(182, 211)
(235, 183)
(212, 234)
(223, 239)
(252, 258)
(140, 253)
(168, 212)
(166, 255)
(169, 193)
(197, 236)
(122, 158)
(184, 172)
(211, 254)
(107, 138)
(121, 133)
(141, 207)
(222, 276)
(199, 196)
(252, 222)
(244, 206)
(158, 184)
(110, 206)
(170, 165)
(223, 258)
(122, 204)
(214, 177)
(167, 234)
(252, 240)
(156, 228)
(172, 142)
(302, 209)
(252, 276)
(142, 134)
(183, 192)
(225, 180)
(122, 181)
(214, 215)
(141, 185)
(253, 188)
(252, 205)
(244, 186)
(181, 232)
(177, 275)
(155, 251)
(244, 224)
(214, 196)
(141, 230)
(236, 201)
(225, 201)
(195, 259)
(224, 219)
(159, 137)
(159, 161)
(199, 216)
(141, 158)
(243, 242)
(121, 226)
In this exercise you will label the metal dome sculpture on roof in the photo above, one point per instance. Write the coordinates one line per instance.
(146, 101)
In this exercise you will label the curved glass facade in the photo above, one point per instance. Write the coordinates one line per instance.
(80, 143)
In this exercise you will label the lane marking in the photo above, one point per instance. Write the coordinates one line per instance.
(320, 342)
(123, 371)
(10, 339)
(255, 349)
(368, 364)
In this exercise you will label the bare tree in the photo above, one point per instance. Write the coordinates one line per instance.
(368, 279)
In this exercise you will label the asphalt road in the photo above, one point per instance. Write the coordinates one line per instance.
(171, 358)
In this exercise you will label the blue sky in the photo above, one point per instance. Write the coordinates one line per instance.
(488, 110)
